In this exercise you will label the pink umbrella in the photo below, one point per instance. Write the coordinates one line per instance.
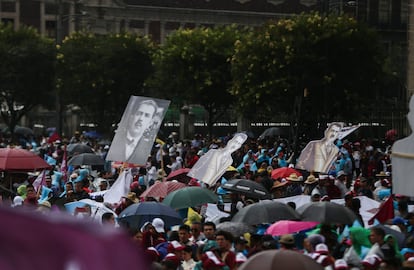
(179, 175)
(282, 227)
(162, 189)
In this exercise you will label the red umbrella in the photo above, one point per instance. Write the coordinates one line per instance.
(284, 172)
(13, 159)
(179, 175)
(162, 189)
(282, 227)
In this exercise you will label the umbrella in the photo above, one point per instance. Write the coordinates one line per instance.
(137, 214)
(24, 131)
(326, 212)
(189, 197)
(265, 212)
(13, 159)
(271, 132)
(179, 175)
(86, 159)
(247, 187)
(235, 228)
(76, 243)
(289, 226)
(283, 172)
(280, 260)
(399, 236)
(78, 148)
(162, 189)
(97, 208)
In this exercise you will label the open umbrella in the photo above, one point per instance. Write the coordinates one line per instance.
(247, 187)
(180, 175)
(326, 212)
(13, 159)
(235, 228)
(162, 189)
(271, 132)
(283, 172)
(280, 260)
(265, 212)
(189, 197)
(282, 227)
(78, 148)
(137, 214)
(86, 159)
(97, 208)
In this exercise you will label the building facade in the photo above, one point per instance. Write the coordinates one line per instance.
(158, 18)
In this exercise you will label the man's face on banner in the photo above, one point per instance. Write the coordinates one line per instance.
(141, 119)
(333, 133)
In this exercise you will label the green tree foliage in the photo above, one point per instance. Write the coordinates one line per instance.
(193, 67)
(331, 65)
(100, 73)
(26, 72)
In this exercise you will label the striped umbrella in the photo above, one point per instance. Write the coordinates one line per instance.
(162, 189)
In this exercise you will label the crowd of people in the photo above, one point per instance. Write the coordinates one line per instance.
(362, 168)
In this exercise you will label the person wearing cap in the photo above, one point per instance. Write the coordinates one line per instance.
(322, 255)
(341, 264)
(295, 185)
(340, 182)
(371, 262)
(154, 234)
(240, 245)
(279, 189)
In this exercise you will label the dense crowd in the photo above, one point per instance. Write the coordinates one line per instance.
(362, 170)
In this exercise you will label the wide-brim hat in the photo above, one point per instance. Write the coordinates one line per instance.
(382, 174)
(294, 178)
(311, 179)
(132, 196)
(278, 184)
(287, 239)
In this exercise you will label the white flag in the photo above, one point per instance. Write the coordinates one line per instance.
(120, 188)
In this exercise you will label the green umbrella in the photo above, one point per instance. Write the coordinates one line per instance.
(190, 197)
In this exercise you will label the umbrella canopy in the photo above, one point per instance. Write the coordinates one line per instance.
(326, 212)
(189, 197)
(137, 214)
(13, 159)
(283, 172)
(78, 148)
(399, 236)
(97, 208)
(247, 187)
(271, 132)
(280, 259)
(162, 189)
(235, 228)
(289, 226)
(86, 159)
(179, 175)
(265, 212)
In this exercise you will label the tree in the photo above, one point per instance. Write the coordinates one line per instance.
(100, 73)
(317, 68)
(193, 67)
(26, 72)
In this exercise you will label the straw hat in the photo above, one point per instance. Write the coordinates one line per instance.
(132, 196)
(311, 179)
(294, 177)
(278, 184)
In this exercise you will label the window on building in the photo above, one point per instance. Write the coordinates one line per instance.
(384, 11)
(404, 11)
(8, 6)
(51, 29)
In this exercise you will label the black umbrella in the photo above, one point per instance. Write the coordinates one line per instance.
(399, 236)
(247, 187)
(139, 213)
(86, 159)
(78, 148)
(326, 212)
(271, 132)
(235, 228)
(265, 212)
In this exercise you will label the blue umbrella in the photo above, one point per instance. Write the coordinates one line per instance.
(137, 214)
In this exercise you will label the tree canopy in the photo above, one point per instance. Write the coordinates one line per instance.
(100, 73)
(330, 65)
(26, 72)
